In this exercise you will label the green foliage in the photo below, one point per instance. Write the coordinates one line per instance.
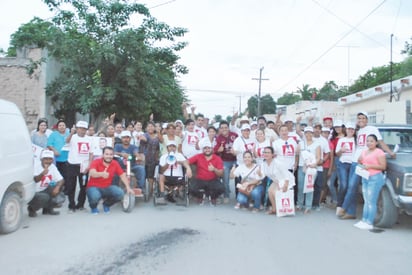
(107, 65)
(37, 33)
(408, 49)
(288, 99)
(374, 77)
(267, 105)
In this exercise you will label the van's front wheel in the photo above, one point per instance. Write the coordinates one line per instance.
(11, 213)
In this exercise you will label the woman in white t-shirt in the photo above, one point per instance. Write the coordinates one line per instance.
(345, 150)
(250, 186)
(261, 143)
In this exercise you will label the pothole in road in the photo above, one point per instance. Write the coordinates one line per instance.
(148, 248)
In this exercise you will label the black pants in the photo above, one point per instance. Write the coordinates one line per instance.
(73, 174)
(213, 188)
(62, 167)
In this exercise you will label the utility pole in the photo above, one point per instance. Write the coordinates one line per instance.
(391, 72)
(240, 103)
(348, 47)
(260, 86)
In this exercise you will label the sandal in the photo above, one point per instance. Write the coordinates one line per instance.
(271, 212)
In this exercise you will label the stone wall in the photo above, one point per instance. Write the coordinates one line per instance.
(27, 92)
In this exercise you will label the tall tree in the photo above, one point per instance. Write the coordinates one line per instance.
(108, 65)
(267, 104)
(288, 99)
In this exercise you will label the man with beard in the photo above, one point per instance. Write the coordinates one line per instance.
(100, 185)
(209, 170)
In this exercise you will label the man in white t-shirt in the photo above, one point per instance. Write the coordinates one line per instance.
(49, 183)
(80, 157)
(171, 169)
(348, 210)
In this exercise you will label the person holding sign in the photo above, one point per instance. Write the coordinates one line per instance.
(372, 160)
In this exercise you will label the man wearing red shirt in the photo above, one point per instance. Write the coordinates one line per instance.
(100, 185)
(209, 170)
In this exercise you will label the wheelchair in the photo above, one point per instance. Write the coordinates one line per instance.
(176, 189)
(129, 200)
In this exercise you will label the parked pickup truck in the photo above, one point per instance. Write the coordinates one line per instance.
(396, 195)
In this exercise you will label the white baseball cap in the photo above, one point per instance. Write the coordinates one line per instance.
(47, 154)
(82, 124)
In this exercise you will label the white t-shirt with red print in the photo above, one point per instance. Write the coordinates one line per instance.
(285, 151)
(79, 149)
(241, 145)
(348, 143)
(52, 176)
(190, 139)
(361, 137)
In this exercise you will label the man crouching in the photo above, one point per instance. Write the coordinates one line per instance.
(49, 183)
(100, 185)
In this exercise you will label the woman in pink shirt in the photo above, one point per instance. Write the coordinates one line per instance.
(373, 160)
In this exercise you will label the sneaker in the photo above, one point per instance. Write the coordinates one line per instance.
(32, 212)
(95, 211)
(106, 209)
(71, 211)
(237, 206)
(213, 202)
(363, 225)
(340, 211)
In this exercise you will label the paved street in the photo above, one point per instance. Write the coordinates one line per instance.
(202, 240)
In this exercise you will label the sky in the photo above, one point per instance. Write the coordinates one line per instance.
(296, 42)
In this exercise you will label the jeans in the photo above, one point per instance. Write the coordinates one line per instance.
(227, 165)
(371, 188)
(351, 199)
(307, 197)
(255, 195)
(110, 195)
(333, 177)
(344, 173)
(138, 171)
(318, 188)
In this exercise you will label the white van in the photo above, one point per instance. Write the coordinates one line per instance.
(16, 167)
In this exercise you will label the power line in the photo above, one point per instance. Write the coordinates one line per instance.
(162, 4)
(348, 24)
(330, 48)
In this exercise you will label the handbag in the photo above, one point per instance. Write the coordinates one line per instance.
(285, 203)
(249, 189)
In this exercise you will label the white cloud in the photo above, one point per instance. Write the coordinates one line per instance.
(229, 40)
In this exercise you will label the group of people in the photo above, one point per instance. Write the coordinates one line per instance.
(316, 161)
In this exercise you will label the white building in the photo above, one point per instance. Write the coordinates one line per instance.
(378, 103)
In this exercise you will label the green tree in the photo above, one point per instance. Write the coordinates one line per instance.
(306, 92)
(330, 92)
(267, 105)
(408, 48)
(288, 99)
(109, 66)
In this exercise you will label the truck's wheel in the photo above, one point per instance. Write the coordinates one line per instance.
(387, 214)
(11, 213)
